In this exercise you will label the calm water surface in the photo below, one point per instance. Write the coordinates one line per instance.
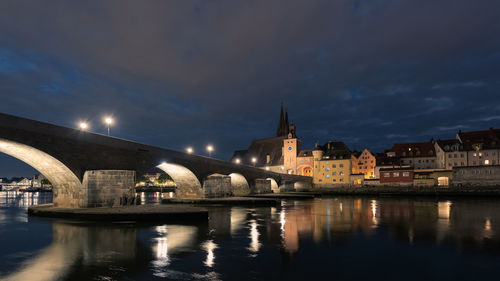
(344, 238)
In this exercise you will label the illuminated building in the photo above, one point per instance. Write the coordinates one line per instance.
(364, 163)
(332, 164)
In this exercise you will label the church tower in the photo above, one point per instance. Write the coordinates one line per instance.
(283, 127)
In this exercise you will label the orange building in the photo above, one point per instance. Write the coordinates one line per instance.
(364, 163)
(305, 162)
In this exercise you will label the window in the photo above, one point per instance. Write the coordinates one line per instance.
(486, 162)
(486, 154)
(473, 162)
(341, 166)
(461, 155)
(396, 174)
(386, 175)
(475, 154)
(334, 180)
(327, 176)
(406, 174)
(341, 180)
(480, 154)
(334, 173)
(334, 166)
(419, 161)
(449, 155)
(341, 173)
(494, 162)
(455, 155)
(328, 169)
(493, 153)
(326, 163)
(462, 164)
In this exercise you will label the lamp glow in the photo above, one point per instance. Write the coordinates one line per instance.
(254, 160)
(83, 125)
(210, 148)
(108, 120)
(237, 161)
(189, 150)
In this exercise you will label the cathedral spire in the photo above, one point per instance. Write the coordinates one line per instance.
(279, 131)
(287, 124)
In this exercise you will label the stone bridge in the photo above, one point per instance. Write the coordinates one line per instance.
(89, 170)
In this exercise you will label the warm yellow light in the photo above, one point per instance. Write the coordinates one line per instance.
(189, 150)
(108, 120)
(238, 161)
(83, 125)
(210, 148)
(254, 160)
(267, 168)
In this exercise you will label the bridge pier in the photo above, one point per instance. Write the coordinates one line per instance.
(100, 188)
(303, 186)
(258, 186)
(217, 186)
(287, 186)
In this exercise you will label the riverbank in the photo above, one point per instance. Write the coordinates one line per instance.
(232, 201)
(408, 191)
(162, 213)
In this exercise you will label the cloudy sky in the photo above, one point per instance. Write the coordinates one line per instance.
(178, 73)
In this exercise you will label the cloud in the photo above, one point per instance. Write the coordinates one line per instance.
(177, 72)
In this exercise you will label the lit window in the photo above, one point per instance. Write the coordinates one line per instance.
(386, 175)
(406, 174)
(396, 174)
(475, 154)
(486, 162)
(327, 176)
(341, 173)
(328, 169)
(480, 154)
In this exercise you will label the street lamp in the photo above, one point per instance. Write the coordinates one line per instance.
(83, 126)
(108, 120)
(254, 160)
(189, 150)
(210, 148)
(237, 161)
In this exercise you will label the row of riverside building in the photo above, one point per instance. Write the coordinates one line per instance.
(472, 158)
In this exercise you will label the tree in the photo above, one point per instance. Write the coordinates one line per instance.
(163, 178)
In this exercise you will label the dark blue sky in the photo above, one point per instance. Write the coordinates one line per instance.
(179, 73)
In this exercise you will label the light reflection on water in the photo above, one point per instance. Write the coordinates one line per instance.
(348, 237)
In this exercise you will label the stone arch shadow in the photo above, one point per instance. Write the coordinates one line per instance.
(67, 188)
(188, 185)
(239, 185)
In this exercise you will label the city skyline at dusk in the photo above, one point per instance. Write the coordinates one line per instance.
(368, 73)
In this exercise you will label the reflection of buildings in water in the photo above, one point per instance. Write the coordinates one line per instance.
(171, 239)
(209, 246)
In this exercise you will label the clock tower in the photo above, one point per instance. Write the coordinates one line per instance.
(291, 147)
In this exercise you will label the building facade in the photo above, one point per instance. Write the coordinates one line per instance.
(364, 163)
(332, 164)
(450, 153)
(482, 147)
(396, 176)
(418, 155)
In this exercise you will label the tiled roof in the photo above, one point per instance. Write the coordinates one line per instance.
(450, 145)
(305, 153)
(260, 149)
(415, 149)
(488, 139)
(335, 150)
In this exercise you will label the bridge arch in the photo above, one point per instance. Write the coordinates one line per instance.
(188, 185)
(65, 184)
(274, 185)
(239, 184)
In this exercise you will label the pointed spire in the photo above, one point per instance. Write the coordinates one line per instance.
(287, 125)
(279, 131)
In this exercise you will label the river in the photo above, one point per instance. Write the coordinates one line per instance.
(338, 238)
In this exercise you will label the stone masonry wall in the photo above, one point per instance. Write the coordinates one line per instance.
(260, 186)
(476, 176)
(109, 188)
(217, 186)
